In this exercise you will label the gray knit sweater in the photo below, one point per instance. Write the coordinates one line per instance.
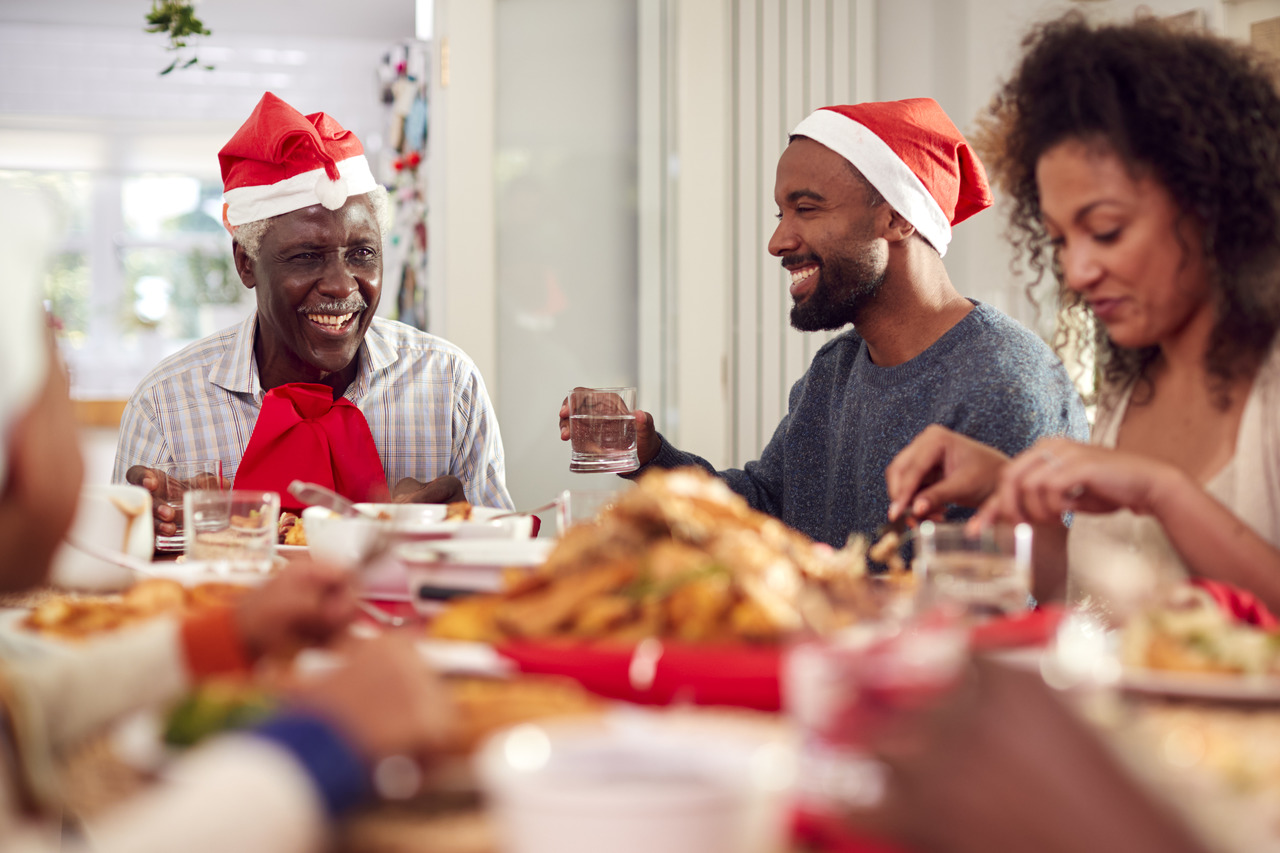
(988, 377)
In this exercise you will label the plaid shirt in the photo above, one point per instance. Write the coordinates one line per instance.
(423, 398)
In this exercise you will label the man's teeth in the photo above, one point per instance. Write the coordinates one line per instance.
(798, 276)
(331, 320)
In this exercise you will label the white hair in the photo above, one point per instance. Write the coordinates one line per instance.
(249, 235)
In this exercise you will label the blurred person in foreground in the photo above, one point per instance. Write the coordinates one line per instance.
(313, 386)
(269, 789)
(867, 195)
(1004, 764)
(1144, 166)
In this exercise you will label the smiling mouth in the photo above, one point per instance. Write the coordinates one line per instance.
(331, 322)
(800, 280)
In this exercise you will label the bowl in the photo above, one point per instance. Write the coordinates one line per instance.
(116, 517)
(445, 568)
(337, 539)
(638, 781)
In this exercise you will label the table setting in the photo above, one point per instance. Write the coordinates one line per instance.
(676, 663)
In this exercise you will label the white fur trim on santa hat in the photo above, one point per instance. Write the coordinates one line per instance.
(886, 171)
(249, 204)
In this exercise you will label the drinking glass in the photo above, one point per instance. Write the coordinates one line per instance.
(839, 690)
(176, 479)
(581, 505)
(602, 430)
(235, 527)
(981, 575)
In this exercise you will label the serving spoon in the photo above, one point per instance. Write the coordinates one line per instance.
(314, 494)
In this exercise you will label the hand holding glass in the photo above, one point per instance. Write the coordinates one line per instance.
(176, 479)
(602, 430)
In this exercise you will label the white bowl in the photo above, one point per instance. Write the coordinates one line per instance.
(436, 568)
(116, 517)
(338, 539)
(637, 782)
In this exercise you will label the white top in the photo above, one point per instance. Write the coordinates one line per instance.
(1248, 485)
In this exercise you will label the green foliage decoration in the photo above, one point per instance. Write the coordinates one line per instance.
(177, 19)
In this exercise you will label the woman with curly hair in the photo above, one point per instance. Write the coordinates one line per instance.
(1144, 168)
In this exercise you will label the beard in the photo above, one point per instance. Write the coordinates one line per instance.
(846, 285)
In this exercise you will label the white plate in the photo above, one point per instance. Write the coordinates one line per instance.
(193, 572)
(447, 657)
(19, 643)
(1219, 687)
(290, 552)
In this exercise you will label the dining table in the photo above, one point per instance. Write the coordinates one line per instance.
(1213, 755)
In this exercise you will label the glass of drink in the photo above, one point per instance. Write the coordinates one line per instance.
(577, 506)
(235, 528)
(982, 575)
(602, 430)
(843, 689)
(176, 479)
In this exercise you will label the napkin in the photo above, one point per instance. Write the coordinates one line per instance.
(1243, 605)
(304, 434)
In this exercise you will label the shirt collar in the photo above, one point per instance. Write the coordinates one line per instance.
(236, 370)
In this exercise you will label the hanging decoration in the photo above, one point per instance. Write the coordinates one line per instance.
(177, 19)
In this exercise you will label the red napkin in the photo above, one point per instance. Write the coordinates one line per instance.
(1030, 628)
(703, 675)
(1241, 604)
(304, 434)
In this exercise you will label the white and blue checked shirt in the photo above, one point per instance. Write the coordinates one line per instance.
(424, 399)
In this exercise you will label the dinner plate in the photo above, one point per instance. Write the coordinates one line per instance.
(19, 643)
(1220, 687)
(291, 552)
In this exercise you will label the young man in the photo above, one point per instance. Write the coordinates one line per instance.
(867, 195)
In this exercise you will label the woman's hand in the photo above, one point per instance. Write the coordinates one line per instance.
(941, 467)
(1058, 475)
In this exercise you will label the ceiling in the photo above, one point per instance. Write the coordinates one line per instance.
(374, 19)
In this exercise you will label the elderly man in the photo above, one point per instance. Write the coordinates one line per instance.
(313, 386)
(867, 195)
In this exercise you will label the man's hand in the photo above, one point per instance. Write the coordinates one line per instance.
(306, 604)
(941, 467)
(441, 490)
(166, 494)
(648, 442)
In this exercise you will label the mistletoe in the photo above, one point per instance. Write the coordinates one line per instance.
(178, 19)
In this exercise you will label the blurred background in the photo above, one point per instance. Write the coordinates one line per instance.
(583, 188)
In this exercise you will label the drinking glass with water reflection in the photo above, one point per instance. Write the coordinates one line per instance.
(602, 430)
(981, 574)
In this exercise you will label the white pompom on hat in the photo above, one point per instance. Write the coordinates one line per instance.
(913, 154)
(280, 161)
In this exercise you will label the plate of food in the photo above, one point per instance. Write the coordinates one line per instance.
(1188, 646)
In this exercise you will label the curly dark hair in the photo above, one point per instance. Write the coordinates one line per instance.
(1197, 113)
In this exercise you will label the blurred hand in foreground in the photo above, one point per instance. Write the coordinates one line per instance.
(383, 697)
(1057, 475)
(941, 467)
(306, 604)
(441, 490)
(1003, 764)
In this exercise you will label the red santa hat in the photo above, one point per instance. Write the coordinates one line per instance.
(280, 161)
(913, 154)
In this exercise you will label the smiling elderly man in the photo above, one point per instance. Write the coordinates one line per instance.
(313, 386)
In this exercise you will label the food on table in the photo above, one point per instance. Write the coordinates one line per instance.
(291, 530)
(77, 617)
(482, 705)
(217, 706)
(457, 511)
(1188, 631)
(678, 556)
